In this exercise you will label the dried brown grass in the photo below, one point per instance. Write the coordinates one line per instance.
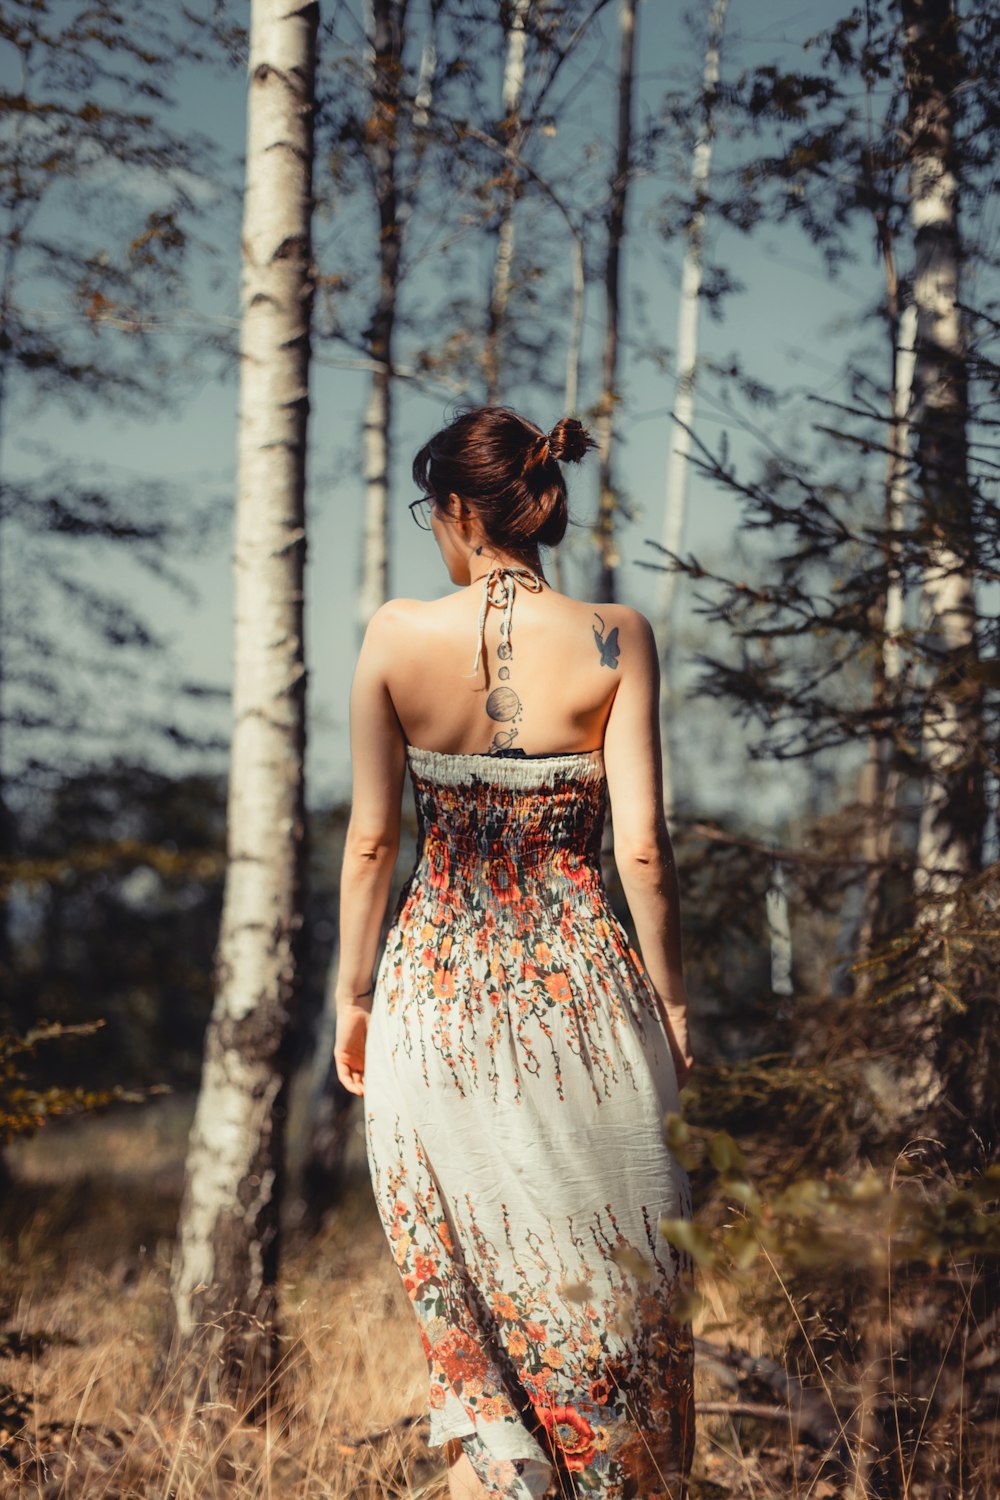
(86, 1255)
(84, 1258)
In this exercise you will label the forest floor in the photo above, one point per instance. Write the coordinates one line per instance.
(85, 1245)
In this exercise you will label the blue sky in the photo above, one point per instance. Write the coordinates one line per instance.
(786, 326)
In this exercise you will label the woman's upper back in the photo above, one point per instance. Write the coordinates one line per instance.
(549, 690)
(584, 676)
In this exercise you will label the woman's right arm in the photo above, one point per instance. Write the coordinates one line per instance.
(378, 767)
(643, 852)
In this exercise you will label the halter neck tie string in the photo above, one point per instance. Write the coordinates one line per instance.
(498, 591)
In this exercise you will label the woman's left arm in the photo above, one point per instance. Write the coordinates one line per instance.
(378, 765)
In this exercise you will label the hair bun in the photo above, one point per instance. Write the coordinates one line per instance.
(569, 440)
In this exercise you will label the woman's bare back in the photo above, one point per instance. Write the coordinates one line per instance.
(551, 694)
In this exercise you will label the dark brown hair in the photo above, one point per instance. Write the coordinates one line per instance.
(507, 471)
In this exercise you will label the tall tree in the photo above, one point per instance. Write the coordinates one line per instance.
(682, 415)
(226, 1257)
(827, 658)
(510, 134)
(385, 22)
(880, 776)
(609, 502)
(953, 809)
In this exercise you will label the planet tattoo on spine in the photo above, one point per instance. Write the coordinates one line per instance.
(503, 704)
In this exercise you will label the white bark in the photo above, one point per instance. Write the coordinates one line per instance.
(779, 928)
(386, 20)
(878, 790)
(513, 73)
(943, 849)
(424, 95)
(513, 86)
(952, 814)
(899, 488)
(226, 1255)
(682, 416)
(374, 587)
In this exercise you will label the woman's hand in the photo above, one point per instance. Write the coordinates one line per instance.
(683, 1065)
(676, 1025)
(349, 1049)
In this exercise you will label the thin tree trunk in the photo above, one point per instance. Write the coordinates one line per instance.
(386, 68)
(20, 213)
(898, 488)
(8, 823)
(424, 95)
(510, 134)
(880, 781)
(608, 501)
(682, 416)
(948, 1053)
(779, 927)
(330, 1106)
(571, 396)
(329, 1111)
(953, 810)
(226, 1257)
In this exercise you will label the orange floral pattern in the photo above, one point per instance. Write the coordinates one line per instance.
(517, 1075)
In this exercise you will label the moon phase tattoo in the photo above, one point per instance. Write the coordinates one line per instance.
(607, 645)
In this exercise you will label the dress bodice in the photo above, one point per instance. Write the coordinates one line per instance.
(493, 830)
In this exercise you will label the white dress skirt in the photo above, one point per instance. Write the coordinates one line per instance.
(517, 1079)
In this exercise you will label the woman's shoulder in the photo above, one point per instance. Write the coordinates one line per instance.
(396, 613)
(620, 622)
(400, 617)
(619, 614)
(397, 620)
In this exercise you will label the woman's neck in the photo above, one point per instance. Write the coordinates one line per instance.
(484, 563)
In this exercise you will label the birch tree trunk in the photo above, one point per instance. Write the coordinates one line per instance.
(510, 134)
(424, 95)
(682, 416)
(779, 928)
(387, 18)
(225, 1261)
(880, 781)
(953, 810)
(330, 1106)
(608, 499)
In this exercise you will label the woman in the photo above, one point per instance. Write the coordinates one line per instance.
(516, 1056)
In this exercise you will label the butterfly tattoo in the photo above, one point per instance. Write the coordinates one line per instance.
(607, 645)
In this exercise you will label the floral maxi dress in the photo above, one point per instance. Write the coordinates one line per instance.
(516, 1082)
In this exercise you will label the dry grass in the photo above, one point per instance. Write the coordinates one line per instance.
(84, 1256)
(85, 1269)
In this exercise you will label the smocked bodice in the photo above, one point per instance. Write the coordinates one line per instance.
(494, 831)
